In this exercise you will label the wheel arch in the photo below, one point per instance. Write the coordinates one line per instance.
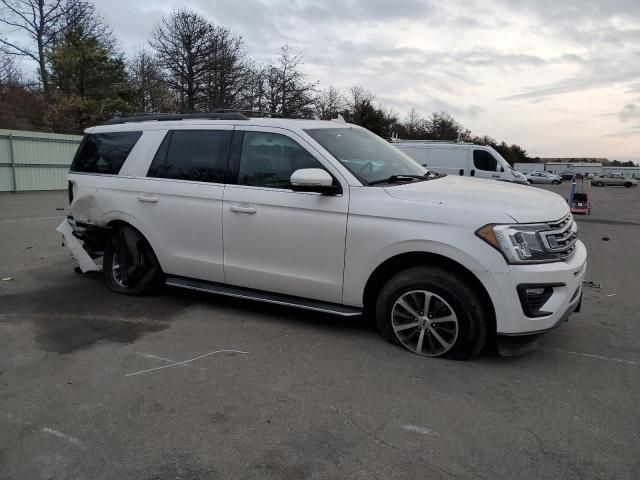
(115, 223)
(399, 262)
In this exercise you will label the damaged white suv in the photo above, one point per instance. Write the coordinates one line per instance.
(326, 216)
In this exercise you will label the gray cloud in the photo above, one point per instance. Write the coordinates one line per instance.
(576, 85)
(630, 112)
(629, 133)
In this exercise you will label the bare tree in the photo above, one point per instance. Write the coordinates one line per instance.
(150, 93)
(253, 96)
(288, 93)
(226, 73)
(40, 20)
(81, 17)
(329, 103)
(414, 124)
(182, 43)
(358, 96)
(9, 71)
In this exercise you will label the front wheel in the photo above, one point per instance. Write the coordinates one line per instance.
(555, 182)
(627, 185)
(432, 312)
(599, 184)
(129, 265)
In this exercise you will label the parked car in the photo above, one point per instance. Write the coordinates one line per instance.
(463, 159)
(325, 216)
(544, 177)
(615, 179)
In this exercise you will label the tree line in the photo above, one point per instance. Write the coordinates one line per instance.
(189, 65)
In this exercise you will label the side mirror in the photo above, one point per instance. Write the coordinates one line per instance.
(313, 180)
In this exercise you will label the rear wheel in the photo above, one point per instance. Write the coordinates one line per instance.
(432, 312)
(530, 181)
(129, 265)
(627, 185)
(599, 184)
(555, 182)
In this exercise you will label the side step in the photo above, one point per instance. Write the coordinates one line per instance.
(249, 294)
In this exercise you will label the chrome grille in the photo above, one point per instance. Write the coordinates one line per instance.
(561, 237)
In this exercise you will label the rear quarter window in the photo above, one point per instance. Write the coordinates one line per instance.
(104, 152)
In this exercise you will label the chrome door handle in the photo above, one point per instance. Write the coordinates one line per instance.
(147, 199)
(245, 210)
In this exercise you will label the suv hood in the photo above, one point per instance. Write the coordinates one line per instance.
(524, 204)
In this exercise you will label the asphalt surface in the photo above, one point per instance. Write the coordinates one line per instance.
(314, 396)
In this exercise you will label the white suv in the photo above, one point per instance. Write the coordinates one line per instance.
(326, 216)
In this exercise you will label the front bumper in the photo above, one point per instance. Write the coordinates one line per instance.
(511, 319)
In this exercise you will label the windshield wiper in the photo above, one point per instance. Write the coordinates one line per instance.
(400, 178)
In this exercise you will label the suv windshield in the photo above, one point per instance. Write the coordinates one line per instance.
(367, 156)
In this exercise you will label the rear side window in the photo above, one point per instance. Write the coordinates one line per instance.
(483, 160)
(197, 155)
(104, 152)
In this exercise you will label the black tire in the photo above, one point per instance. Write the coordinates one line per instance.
(530, 182)
(627, 185)
(472, 318)
(137, 269)
(555, 182)
(599, 184)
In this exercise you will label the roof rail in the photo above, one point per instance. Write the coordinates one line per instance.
(401, 140)
(166, 117)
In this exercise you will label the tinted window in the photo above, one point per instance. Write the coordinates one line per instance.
(198, 155)
(483, 160)
(104, 152)
(269, 159)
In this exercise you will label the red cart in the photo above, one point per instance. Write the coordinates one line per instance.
(580, 202)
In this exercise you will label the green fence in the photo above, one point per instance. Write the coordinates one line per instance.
(35, 160)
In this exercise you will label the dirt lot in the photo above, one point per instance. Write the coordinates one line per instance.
(83, 394)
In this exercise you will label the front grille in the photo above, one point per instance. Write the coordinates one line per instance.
(561, 237)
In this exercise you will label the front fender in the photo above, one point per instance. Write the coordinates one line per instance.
(481, 259)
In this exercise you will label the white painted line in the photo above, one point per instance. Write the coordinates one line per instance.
(58, 434)
(31, 219)
(593, 355)
(417, 429)
(186, 361)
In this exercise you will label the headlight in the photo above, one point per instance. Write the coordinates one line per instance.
(518, 243)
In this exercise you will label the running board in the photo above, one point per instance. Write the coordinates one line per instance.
(248, 294)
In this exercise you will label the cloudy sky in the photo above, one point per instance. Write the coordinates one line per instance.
(561, 78)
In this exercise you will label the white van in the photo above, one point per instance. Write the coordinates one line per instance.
(464, 159)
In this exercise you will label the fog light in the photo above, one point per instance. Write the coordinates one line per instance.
(533, 298)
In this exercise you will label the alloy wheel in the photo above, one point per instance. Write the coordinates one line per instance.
(424, 323)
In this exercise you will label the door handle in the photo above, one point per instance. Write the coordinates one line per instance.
(147, 199)
(245, 210)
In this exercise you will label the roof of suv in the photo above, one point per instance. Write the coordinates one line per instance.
(286, 123)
